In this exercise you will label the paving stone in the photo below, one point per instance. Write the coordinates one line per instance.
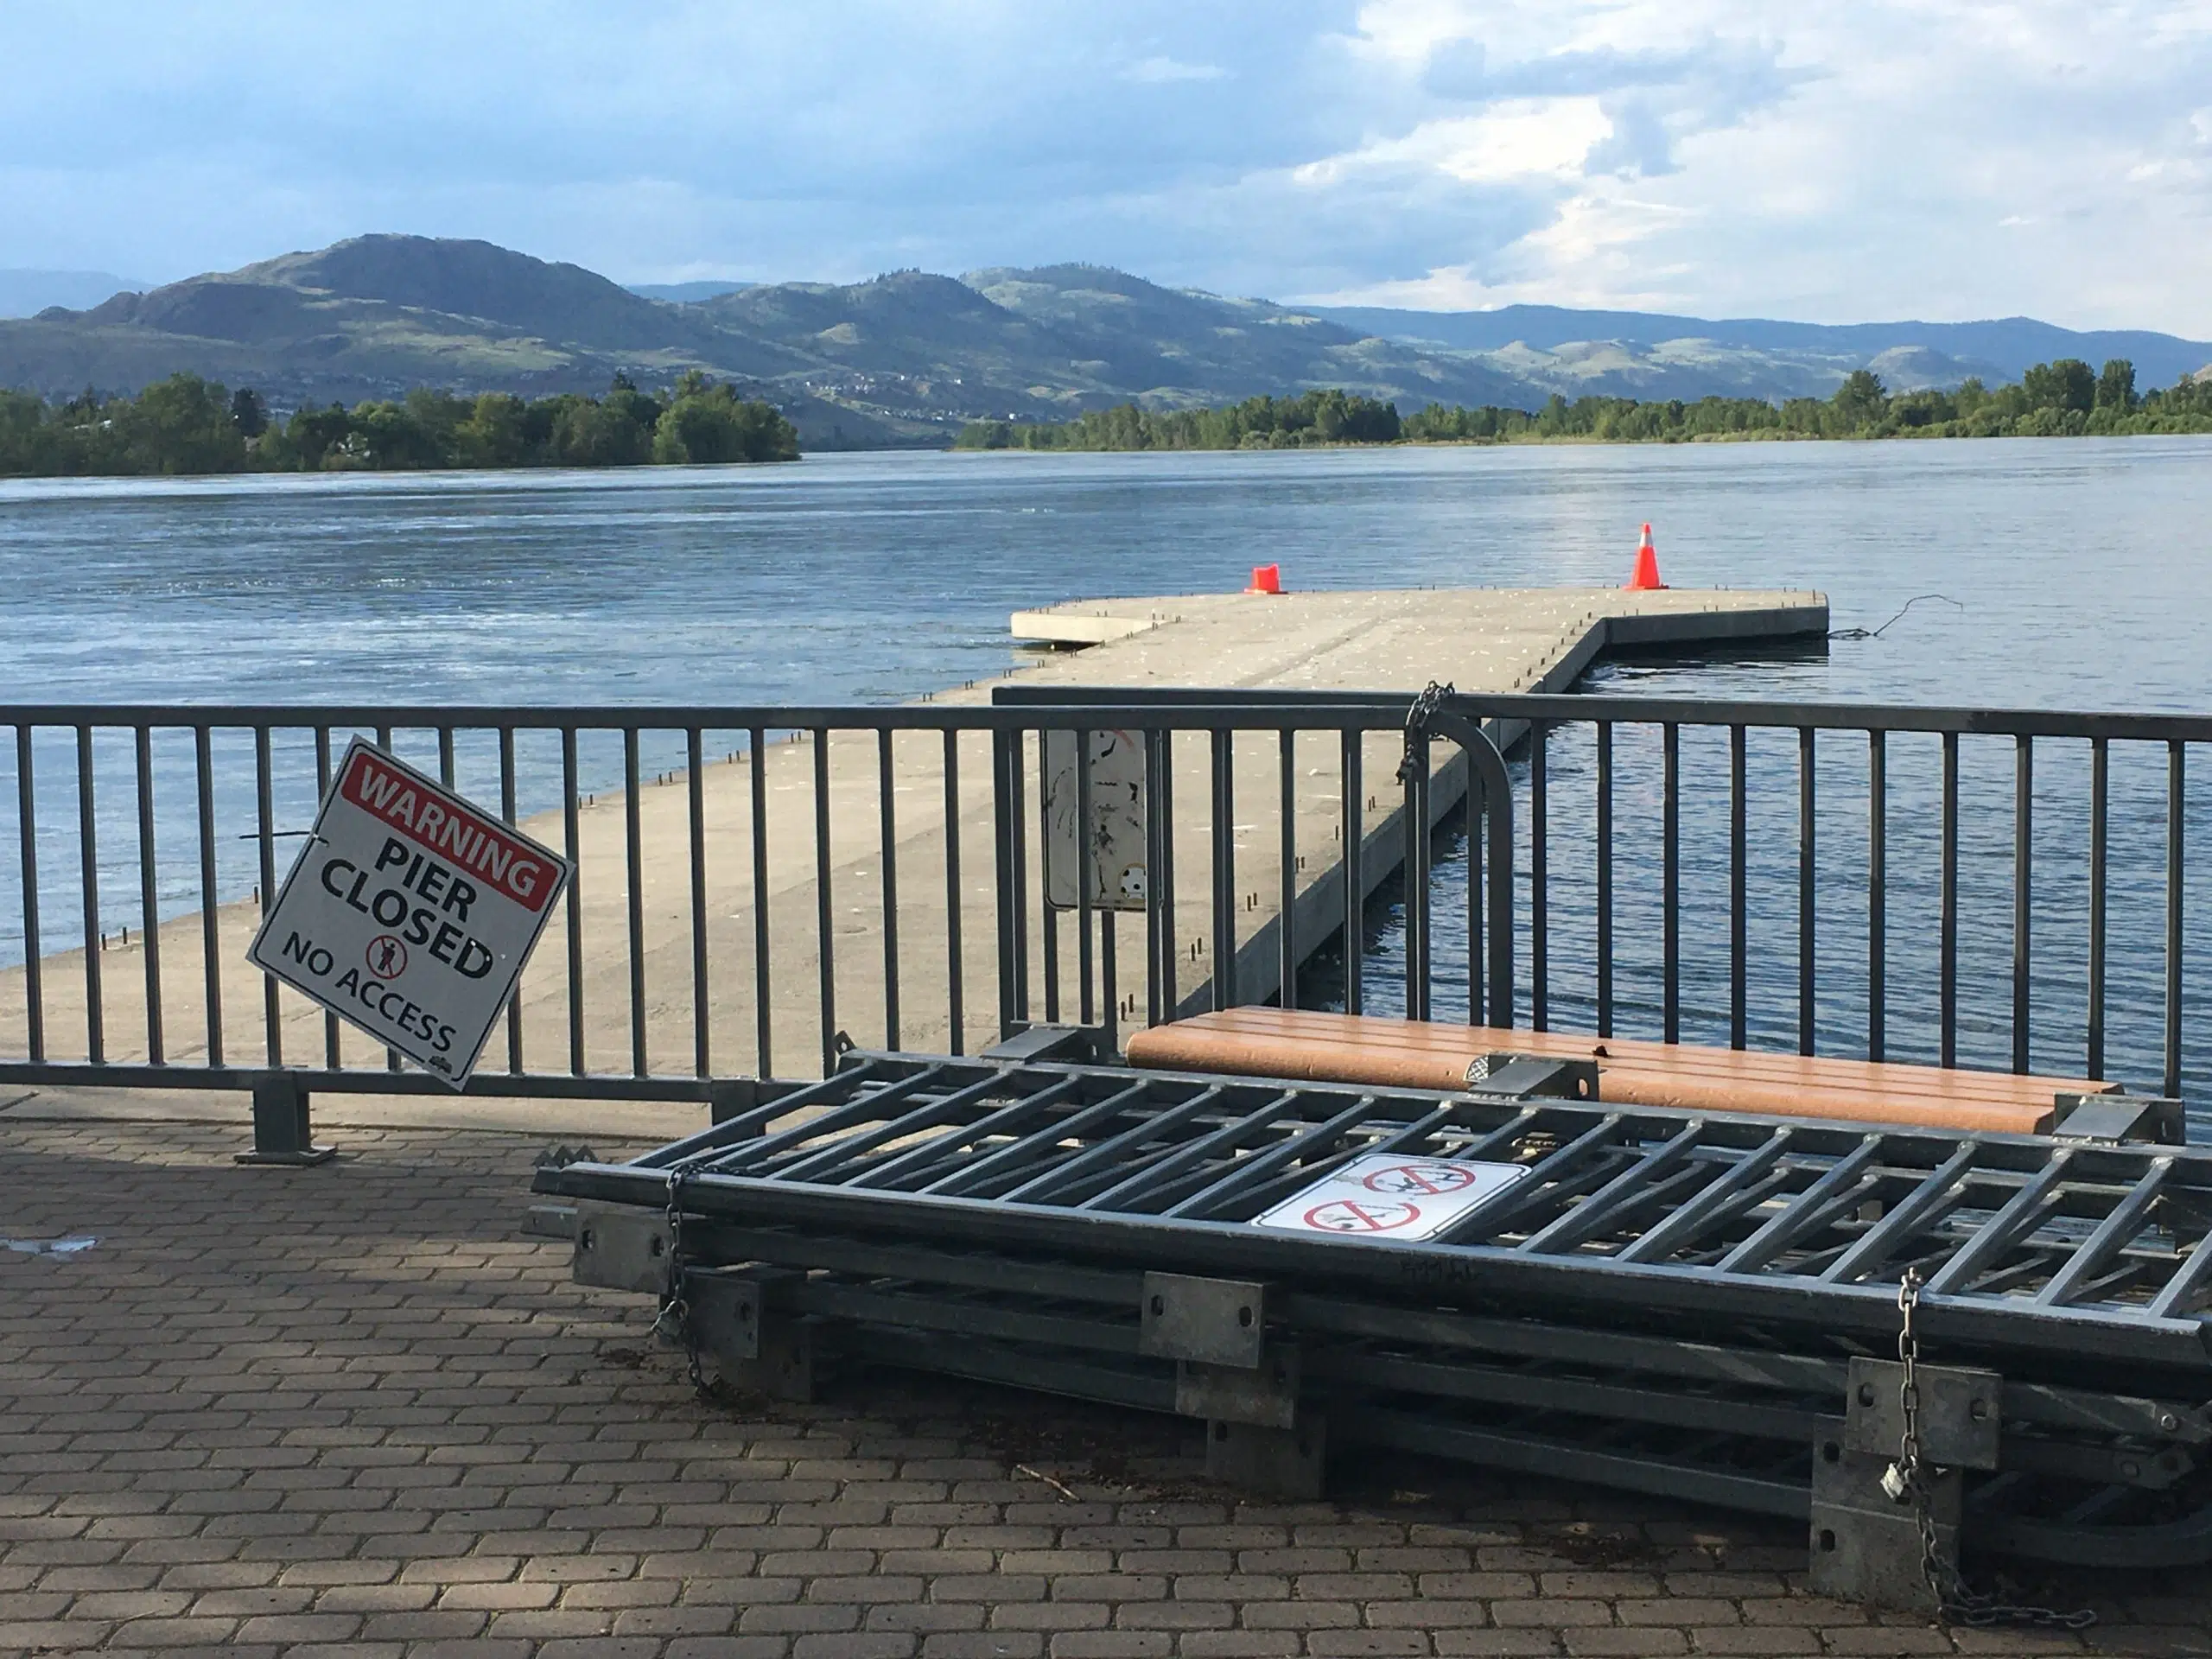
(422, 1441)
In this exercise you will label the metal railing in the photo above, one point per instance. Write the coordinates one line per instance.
(751, 880)
(1952, 886)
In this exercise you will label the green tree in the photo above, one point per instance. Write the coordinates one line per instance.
(710, 424)
(2065, 383)
(248, 413)
(2116, 385)
(181, 424)
(1861, 401)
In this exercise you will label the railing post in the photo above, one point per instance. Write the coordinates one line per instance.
(282, 1134)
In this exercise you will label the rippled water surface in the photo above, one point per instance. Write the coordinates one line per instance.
(2078, 570)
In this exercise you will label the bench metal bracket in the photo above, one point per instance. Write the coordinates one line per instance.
(1529, 1077)
(1081, 1044)
(2113, 1118)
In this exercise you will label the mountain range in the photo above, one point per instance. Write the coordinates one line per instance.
(907, 357)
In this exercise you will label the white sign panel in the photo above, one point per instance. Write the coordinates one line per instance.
(1389, 1195)
(1116, 862)
(410, 913)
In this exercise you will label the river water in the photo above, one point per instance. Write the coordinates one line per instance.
(2072, 573)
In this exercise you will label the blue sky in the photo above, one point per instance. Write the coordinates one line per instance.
(1830, 161)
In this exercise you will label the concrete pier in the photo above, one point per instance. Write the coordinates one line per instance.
(1479, 639)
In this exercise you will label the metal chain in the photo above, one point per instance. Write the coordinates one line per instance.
(1910, 1480)
(674, 1318)
(1423, 710)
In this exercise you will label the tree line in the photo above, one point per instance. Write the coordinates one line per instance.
(1310, 418)
(188, 425)
(2063, 398)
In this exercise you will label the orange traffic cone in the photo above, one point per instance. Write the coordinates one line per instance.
(1266, 579)
(1645, 578)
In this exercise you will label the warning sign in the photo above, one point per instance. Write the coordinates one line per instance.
(1387, 1195)
(410, 913)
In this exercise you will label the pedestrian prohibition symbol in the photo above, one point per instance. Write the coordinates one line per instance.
(1389, 1196)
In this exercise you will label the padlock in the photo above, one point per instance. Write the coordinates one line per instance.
(1895, 1484)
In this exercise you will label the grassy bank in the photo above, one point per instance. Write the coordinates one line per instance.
(2065, 398)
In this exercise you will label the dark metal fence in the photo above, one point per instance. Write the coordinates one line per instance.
(758, 880)
(1994, 887)
(2006, 888)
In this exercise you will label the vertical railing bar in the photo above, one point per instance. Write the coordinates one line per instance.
(89, 891)
(695, 763)
(1540, 906)
(1086, 880)
(264, 791)
(27, 832)
(634, 871)
(149, 915)
(1417, 858)
(1670, 882)
(888, 834)
(210, 925)
(955, 967)
(1808, 871)
(445, 756)
(1155, 953)
(1948, 909)
(2100, 779)
(330, 1026)
(507, 816)
(571, 830)
(1604, 854)
(1354, 812)
(2175, 761)
(1286, 898)
(1048, 916)
(1738, 893)
(824, 946)
(1162, 876)
(384, 742)
(2023, 800)
(1110, 990)
(1017, 784)
(1877, 895)
(763, 1006)
(1477, 894)
(1224, 870)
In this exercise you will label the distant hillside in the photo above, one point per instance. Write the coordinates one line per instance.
(27, 293)
(909, 357)
(1648, 355)
(687, 293)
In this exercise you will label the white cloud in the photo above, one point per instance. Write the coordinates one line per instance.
(1832, 159)
(1159, 71)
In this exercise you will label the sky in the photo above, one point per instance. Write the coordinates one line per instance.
(1831, 162)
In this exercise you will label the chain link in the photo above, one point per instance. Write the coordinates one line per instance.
(674, 1321)
(1416, 763)
(1910, 1479)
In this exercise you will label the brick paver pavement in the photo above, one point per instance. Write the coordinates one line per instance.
(350, 1411)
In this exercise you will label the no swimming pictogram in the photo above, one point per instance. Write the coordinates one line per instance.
(1392, 1199)
(1421, 1180)
(1351, 1216)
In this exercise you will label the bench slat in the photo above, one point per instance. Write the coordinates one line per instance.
(1347, 1048)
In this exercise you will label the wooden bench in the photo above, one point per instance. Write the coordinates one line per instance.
(1347, 1048)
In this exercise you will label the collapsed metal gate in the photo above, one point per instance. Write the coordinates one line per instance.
(1704, 1307)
